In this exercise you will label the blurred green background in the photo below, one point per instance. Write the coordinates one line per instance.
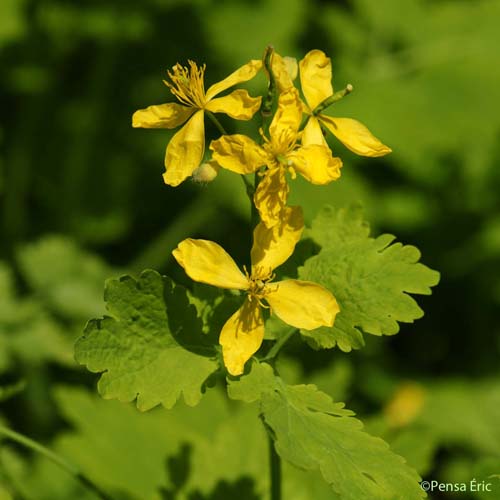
(82, 200)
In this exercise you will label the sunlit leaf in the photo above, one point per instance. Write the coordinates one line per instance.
(314, 433)
(371, 279)
(152, 348)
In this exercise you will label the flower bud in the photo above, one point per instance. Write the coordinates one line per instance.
(206, 172)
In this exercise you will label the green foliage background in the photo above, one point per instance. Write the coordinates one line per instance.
(82, 200)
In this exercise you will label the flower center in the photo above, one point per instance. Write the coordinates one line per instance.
(259, 288)
(281, 144)
(187, 84)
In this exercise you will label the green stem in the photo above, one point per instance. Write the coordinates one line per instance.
(248, 186)
(279, 344)
(274, 469)
(58, 460)
(255, 218)
(216, 122)
(332, 99)
(270, 97)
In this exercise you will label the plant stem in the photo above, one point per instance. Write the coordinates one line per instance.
(279, 344)
(58, 460)
(332, 99)
(254, 217)
(270, 97)
(274, 469)
(216, 122)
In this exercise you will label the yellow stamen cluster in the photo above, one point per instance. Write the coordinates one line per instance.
(187, 84)
(259, 288)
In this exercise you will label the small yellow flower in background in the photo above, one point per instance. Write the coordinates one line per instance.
(301, 304)
(186, 148)
(406, 404)
(316, 81)
(282, 152)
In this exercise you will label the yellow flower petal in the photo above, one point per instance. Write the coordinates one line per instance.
(273, 246)
(243, 74)
(238, 104)
(168, 115)
(271, 196)
(284, 71)
(355, 136)
(316, 77)
(286, 121)
(242, 336)
(185, 150)
(238, 153)
(207, 262)
(302, 304)
(312, 133)
(316, 164)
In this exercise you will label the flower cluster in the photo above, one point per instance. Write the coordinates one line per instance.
(293, 142)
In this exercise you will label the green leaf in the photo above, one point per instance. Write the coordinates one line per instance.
(370, 278)
(314, 433)
(67, 278)
(183, 450)
(473, 425)
(27, 331)
(152, 348)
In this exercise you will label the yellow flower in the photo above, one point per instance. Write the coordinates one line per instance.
(301, 304)
(282, 152)
(316, 81)
(186, 148)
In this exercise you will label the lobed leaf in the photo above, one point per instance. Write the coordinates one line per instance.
(314, 433)
(152, 348)
(371, 279)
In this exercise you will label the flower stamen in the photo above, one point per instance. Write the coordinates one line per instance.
(187, 84)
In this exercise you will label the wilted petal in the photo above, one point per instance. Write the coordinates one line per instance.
(242, 336)
(271, 196)
(302, 304)
(238, 153)
(312, 133)
(286, 121)
(207, 262)
(355, 136)
(168, 115)
(238, 104)
(185, 150)
(243, 74)
(316, 164)
(316, 77)
(273, 246)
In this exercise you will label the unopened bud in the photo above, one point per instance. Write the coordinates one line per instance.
(206, 172)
